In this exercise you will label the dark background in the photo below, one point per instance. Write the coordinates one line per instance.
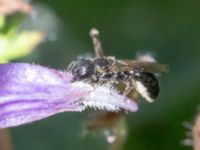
(170, 30)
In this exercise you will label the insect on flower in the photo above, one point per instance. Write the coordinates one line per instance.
(134, 74)
(31, 92)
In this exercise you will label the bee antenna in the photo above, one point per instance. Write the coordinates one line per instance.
(94, 33)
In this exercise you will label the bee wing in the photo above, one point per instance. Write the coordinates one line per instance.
(147, 66)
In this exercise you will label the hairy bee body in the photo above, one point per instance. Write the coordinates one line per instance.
(110, 70)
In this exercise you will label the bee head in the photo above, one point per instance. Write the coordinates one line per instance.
(81, 69)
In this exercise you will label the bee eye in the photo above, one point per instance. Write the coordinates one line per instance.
(82, 69)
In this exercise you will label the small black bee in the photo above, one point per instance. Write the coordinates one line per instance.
(136, 74)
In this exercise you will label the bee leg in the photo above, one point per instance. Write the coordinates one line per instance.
(128, 88)
(94, 33)
(94, 79)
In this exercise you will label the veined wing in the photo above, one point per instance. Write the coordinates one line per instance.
(147, 66)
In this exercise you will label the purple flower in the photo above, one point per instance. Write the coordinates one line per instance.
(31, 92)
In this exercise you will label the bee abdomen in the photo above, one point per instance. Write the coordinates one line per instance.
(147, 85)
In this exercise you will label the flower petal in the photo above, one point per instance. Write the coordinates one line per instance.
(31, 92)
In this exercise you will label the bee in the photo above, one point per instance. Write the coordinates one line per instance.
(134, 74)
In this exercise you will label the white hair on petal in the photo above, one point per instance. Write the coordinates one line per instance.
(104, 97)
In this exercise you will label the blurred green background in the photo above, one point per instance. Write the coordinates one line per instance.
(170, 30)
